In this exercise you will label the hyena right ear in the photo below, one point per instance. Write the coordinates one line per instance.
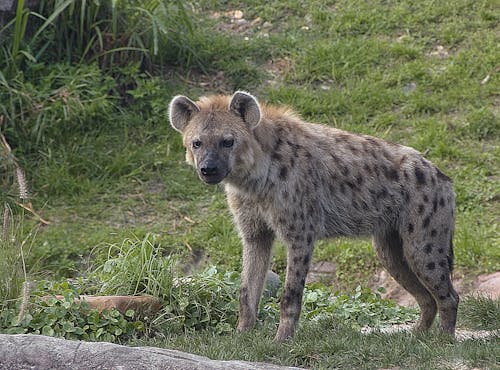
(247, 107)
(180, 111)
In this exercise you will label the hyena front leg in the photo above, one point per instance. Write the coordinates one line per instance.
(258, 240)
(298, 260)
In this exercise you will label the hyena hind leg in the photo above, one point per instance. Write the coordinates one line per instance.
(432, 262)
(389, 248)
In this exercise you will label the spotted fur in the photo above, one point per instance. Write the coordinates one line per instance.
(301, 182)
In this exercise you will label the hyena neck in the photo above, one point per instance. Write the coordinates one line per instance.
(253, 172)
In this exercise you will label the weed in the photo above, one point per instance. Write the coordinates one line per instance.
(69, 318)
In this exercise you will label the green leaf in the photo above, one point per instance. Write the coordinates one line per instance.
(47, 330)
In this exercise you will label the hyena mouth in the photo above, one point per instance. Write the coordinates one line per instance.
(213, 178)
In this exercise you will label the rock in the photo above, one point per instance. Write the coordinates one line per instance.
(489, 285)
(27, 351)
(321, 272)
(273, 284)
(140, 304)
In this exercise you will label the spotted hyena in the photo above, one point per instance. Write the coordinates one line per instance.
(301, 182)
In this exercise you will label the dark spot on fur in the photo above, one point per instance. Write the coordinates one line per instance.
(292, 161)
(307, 154)
(442, 277)
(277, 144)
(383, 193)
(420, 209)
(391, 174)
(306, 260)
(359, 179)
(353, 149)
(426, 198)
(420, 176)
(433, 232)
(426, 222)
(373, 141)
(367, 168)
(442, 263)
(284, 194)
(433, 180)
(342, 188)
(440, 250)
(428, 248)
(442, 297)
(405, 174)
(410, 228)
(430, 266)
(303, 281)
(283, 173)
(309, 238)
(344, 170)
(434, 204)
(441, 202)
(351, 185)
(296, 260)
(276, 156)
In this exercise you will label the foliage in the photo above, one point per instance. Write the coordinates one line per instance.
(208, 300)
(109, 32)
(480, 313)
(14, 246)
(69, 318)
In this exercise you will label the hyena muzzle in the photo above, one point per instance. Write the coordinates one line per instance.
(301, 182)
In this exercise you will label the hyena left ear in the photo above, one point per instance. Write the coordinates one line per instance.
(180, 111)
(247, 107)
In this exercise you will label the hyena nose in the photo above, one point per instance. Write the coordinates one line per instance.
(209, 169)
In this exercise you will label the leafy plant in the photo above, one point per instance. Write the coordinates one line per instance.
(69, 318)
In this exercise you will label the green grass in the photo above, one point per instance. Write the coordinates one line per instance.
(330, 343)
(368, 68)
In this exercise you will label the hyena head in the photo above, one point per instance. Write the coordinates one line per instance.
(217, 133)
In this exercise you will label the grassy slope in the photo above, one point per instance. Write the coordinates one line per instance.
(409, 73)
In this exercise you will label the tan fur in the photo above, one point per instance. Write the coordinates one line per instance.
(301, 182)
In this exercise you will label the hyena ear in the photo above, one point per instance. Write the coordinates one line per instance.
(247, 107)
(180, 111)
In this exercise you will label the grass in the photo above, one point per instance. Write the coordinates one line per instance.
(104, 165)
(374, 69)
(330, 343)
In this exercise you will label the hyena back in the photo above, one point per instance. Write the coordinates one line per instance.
(301, 182)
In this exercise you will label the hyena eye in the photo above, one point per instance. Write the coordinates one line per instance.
(196, 144)
(227, 143)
